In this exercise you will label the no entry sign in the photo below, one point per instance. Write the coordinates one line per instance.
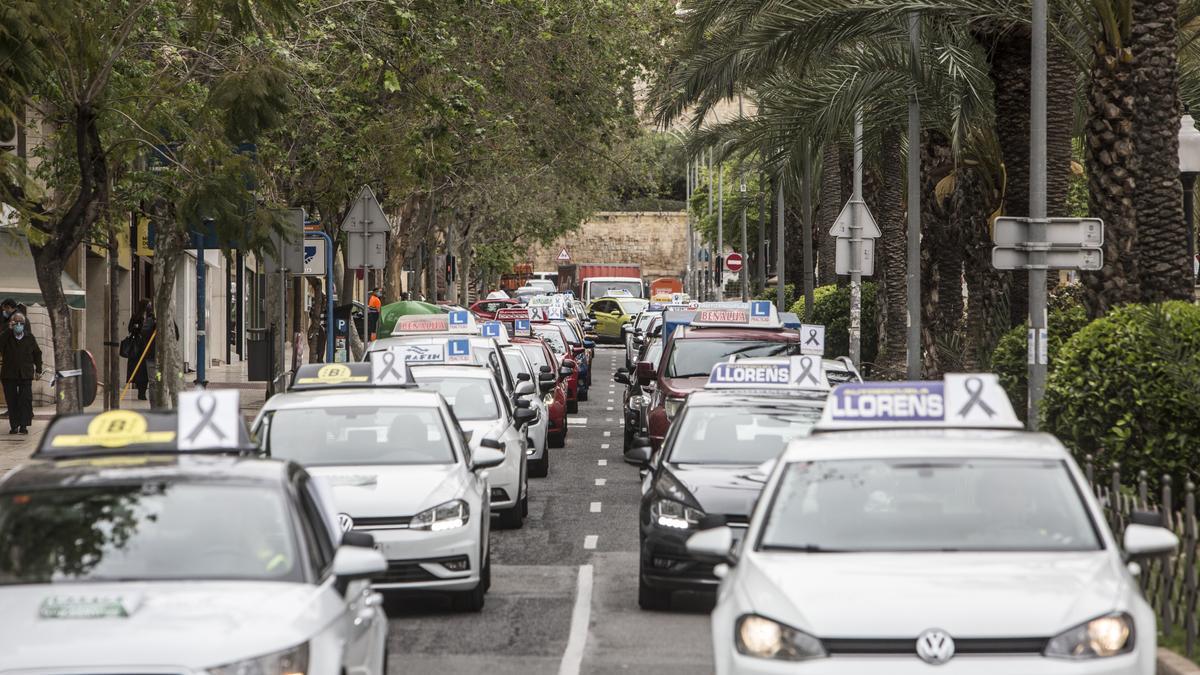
(734, 262)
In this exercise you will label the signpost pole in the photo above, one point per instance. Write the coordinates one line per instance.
(691, 251)
(856, 246)
(201, 280)
(780, 298)
(913, 268)
(744, 273)
(1037, 215)
(807, 228)
(329, 320)
(719, 262)
(710, 215)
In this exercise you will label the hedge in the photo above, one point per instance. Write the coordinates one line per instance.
(1010, 359)
(831, 308)
(1127, 388)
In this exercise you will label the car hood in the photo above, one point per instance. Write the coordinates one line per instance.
(722, 489)
(189, 624)
(389, 491)
(964, 594)
(682, 386)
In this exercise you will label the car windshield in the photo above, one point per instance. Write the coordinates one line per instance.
(653, 352)
(569, 330)
(645, 318)
(599, 289)
(472, 398)
(553, 337)
(737, 435)
(343, 435)
(694, 357)
(153, 530)
(633, 305)
(516, 364)
(536, 355)
(928, 505)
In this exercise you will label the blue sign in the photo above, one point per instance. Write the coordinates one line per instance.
(750, 375)
(493, 329)
(760, 308)
(459, 318)
(310, 252)
(888, 402)
(522, 327)
(460, 347)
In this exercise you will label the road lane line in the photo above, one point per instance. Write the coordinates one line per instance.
(609, 408)
(601, 481)
(577, 420)
(589, 542)
(602, 462)
(581, 617)
(610, 400)
(608, 419)
(595, 507)
(607, 434)
(604, 446)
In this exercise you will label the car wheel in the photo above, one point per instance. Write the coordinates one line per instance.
(557, 440)
(525, 503)
(540, 468)
(511, 519)
(629, 433)
(651, 598)
(572, 406)
(583, 394)
(472, 600)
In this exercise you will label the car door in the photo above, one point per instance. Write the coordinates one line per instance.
(362, 625)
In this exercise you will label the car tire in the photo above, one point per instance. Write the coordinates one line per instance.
(472, 600)
(572, 406)
(540, 468)
(525, 503)
(557, 440)
(583, 393)
(511, 519)
(652, 599)
(629, 433)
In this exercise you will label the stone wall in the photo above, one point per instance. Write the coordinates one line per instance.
(655, 240)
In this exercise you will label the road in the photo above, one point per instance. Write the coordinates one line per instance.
(564, 588)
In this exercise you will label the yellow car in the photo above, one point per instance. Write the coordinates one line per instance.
(612, 313)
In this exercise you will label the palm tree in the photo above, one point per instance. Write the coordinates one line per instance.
(831, 205)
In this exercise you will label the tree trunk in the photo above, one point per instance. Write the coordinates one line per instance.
(167, 378)
(937, 162)
(1162, 256)
(987, 289)
(112, 327)
(831, 205)
(1112, 167)
(891, 264)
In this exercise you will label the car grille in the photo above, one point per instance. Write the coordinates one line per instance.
(682, 568)
(409, 571)
(383, 523)
(962, 646)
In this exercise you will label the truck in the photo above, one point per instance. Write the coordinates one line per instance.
(665, 286)
(589, 281)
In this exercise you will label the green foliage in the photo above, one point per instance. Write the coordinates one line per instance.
(831, 308)
(819, 294)
(1127, 387)
(706, 225)
(1010, 359)
(769, 293)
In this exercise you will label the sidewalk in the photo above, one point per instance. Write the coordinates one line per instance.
(16, 449)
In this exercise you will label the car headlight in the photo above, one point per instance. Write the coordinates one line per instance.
(671, 406)
(1101, 637)
(448, 516)
(764, 638)
(293, 661)
(673, 514)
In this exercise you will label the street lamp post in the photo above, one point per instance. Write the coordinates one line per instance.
(1189, 168)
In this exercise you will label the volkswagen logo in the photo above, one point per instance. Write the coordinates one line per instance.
(347, 523)
(935, 646)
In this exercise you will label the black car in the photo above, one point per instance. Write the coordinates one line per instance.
(637, 394)
(709, 472)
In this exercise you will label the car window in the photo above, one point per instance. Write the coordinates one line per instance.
(152, 530)
(536, 355)
(321, 548)
(633, 305)
(737, 435)
(345, 435)
(695, 357)
(516, 362)
(553, 337)
(929, 505)
(471, 398)
(574, 338)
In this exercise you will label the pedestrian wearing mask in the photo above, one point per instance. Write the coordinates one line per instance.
(22, 363)
(141, 328)
(9, 307)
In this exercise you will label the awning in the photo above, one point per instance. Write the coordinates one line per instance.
(18, 279)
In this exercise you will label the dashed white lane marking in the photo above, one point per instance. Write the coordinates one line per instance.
(604, 446)
(577, 420)
(610, 400)
(607, 434)
(600, 482)
(595, 508)
(589, 542)
(602, 462)
(608, 419)
(609, 408)
(581, 617)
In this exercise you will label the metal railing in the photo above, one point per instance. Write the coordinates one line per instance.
(1168, 582)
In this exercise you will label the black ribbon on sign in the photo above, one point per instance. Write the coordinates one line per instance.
(974, 387)
(807, 365)
(207, 415)
(812, 337)
(389, 361)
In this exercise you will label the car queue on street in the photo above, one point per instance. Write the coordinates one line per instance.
(842, 526)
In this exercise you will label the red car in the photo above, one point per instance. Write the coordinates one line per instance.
(540, 354)
(558, 344)
(689, 357)
(485, 310)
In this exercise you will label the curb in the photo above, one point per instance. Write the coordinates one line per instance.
(1170, 663)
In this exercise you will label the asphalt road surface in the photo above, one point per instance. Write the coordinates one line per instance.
(564, 588)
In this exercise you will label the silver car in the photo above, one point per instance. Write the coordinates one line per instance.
(528, 378)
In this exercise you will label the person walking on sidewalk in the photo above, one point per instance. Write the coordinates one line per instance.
(22, 362)
(141, 328)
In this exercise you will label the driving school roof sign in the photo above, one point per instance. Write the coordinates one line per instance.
(959, 401)
(756, 314)
(799, 373)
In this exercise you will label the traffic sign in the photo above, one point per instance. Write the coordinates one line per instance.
(1088, 232)
(1082, 259)
(563, 256)
(366, 215)
(841, 226)
(842, 264)
(734, 262)
(314, 257)
(288, 245)
(366, 250)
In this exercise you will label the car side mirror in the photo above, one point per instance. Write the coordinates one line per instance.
(525, 388)
(715, 545)
(356, 538)
(525, 415)
(522, 403)
(355, 562)
(589, 344)
(487, 457)
(1145, 541)
(645, 372)
(621, 376)
(492, 444)
(521, 377)
(639, 452)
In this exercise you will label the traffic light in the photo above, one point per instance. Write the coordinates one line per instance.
(451, 269)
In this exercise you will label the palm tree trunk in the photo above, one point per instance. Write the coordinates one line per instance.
(937, 162)
(987, 288)
(831, 205)
(1111, 168)
(1161, 231)
(891, 265)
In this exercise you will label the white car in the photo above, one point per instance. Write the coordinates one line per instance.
(937, 533)
(401, 471)
(488, 417)
(528, 387)
(131, 557)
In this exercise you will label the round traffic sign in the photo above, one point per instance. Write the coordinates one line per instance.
(734, 262)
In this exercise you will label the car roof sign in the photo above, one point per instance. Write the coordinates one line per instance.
(960, 401)
(493, 329)
(797, 373)
(390, 368)
(754, 314)
(209, 419)
(522, 328)
(430, 353)
(458, 350)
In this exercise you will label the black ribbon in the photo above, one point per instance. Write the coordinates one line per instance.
(207, 421)
(389, 361)
(812, 337)
(807, 365)
(974, 387)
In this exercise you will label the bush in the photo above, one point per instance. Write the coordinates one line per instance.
(1010, 359)
(789, 294)
(831, 308)
(819, 294)
(1127, 388)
